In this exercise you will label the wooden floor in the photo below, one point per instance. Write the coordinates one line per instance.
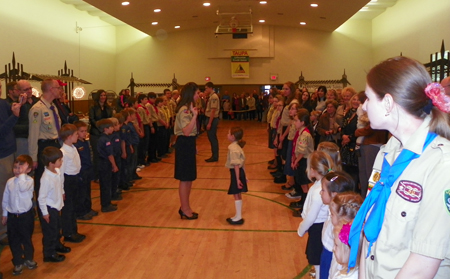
(145, 238)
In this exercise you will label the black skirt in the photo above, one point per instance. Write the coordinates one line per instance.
(300, 176)
(233, 184)
(185, 159)
(314, 245)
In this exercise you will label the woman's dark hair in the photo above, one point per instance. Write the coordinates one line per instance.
(292, 88)
(324, 89)
(405, 79)
(96, 97)
(187, 95)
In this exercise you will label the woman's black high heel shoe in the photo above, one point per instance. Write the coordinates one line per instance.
(182, 215)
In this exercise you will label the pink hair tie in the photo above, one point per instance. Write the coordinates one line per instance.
(343, 234)
(437, 95)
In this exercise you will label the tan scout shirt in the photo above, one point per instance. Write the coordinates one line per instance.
(153, 116)
(417, 215)
(285, 114)
(236, 156)
(213, 103)
(304, 145)
(42, 125)
(184, 117)
(145, 118)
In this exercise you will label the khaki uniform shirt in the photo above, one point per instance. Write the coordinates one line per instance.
(42, 125)
(153, 116)
(166, 111)
(213, 103)
(304, 145)
(285, 114)
(173, 107)
(417, 217)
(183, 118)
(161, 116)
(236, 156)
(292, 131)
(145, 118)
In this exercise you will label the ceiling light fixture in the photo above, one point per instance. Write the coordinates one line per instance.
(154, 23)
(314, 5)
(206, 4)
(262, 21)
(262, 2)
(302, 23)
(125, 3)
(157, 10)
(177, 27)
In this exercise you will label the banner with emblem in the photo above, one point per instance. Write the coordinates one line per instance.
(240, 64)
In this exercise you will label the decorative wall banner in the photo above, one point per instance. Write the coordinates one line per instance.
(240, 64)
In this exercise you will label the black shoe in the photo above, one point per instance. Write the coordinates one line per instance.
(271, 162)
(136, 177)
(154, 161)
(75, 238)
(272, 167)
(277, 174)
(158, 159)
(287, 188)
(298, 204)
(109, 208)
(210, 160)
(281, 179)
(93, 213)
(297, 213)
(117, 197)
(63, 249)
(238, 222)
(85, 217)
(182, 215)
(55, 258)
(165, 156)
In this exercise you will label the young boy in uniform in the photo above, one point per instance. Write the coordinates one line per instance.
(107, 164)
(51, 202)
(18, 214)
(117, 150)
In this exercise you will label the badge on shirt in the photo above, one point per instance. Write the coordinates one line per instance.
(409, 191)
(447, 199)
(373, 179)
(46, 114)
(108, 143)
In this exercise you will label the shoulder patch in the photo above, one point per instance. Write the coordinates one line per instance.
(409, 191)
(447, 199)
(35, 114)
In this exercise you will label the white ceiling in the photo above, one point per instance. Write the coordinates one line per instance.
(191, 14)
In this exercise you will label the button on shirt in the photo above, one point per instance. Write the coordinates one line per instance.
(51, 191)
(417, 217)
(18, 195)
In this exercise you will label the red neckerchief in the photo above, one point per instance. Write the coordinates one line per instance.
(146, 110)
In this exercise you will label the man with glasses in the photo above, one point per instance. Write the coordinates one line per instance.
(22, 125)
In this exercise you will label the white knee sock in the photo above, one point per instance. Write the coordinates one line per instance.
(317, 267)
(238, 205)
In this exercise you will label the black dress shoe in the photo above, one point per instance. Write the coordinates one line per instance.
(154, 161)
(211, 160)
(137, 177)
(117, 197)
(238, 222)
(277, 174)
(63, 249)
(271, 161)
(75, 238)
(272, 167)
(109, 208)
(85, 217)
(55, 258)
(93, 212)
(281, 179)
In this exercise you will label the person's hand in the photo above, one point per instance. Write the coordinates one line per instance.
(64, 197)
(4, 219)
(124, 155)
(194, 110)
(46, 218)
(345, 140)
(15, 108)
(152, 130)
(240, 185)
(131, 149)
(208, 127)
(115, 169)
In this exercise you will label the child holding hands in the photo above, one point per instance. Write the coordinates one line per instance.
(18, 214)
(235, 162)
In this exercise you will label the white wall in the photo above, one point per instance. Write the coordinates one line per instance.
(42, 36)
(414, 27)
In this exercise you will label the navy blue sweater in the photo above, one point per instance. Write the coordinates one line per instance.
(7, 122)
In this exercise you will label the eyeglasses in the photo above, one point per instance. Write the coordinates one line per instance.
(26, 89)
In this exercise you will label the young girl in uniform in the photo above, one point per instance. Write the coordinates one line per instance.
(235, 162)
(343, 207)
(332, 184)
(315, 213)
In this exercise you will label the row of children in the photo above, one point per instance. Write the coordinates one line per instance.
(65, 189)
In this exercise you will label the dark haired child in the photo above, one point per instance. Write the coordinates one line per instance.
(332, 184)
(18, 214)
(83, 204)
(51, 201)
(107, 164)
(235, 162)
(70, 167)
(117, 150)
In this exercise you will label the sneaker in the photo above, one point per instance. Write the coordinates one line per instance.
(30, 264)
(18, 269)
(293, 195)
(312, 272)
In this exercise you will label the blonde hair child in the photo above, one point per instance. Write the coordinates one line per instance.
(315, 213)
(344, 208)
(235, 163)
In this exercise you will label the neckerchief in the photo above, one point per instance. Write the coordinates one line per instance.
(377, 200)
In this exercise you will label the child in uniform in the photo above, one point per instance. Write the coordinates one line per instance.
(235, 162)
(18, 214)
(117, 150)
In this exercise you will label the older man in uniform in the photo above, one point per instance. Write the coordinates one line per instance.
(44, 126)
(212, 114)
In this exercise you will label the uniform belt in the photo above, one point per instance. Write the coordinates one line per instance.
(18, 214)
(48, 140)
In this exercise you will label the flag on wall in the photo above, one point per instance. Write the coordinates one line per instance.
(240, 64)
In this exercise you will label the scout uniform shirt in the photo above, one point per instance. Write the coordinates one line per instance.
(417, 217)
(213, 103)
(184, 117)
(153, 116)
(304, 144)
(236, 156)
(42, 125)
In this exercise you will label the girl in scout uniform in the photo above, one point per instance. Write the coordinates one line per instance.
(185, 148)
(406, 217)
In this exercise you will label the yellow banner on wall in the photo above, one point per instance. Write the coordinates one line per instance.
(240, 64)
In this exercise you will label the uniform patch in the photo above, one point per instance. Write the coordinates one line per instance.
(373, 179)
(35, 114)
(447, 199)
(409, 191)
(108, 143)
(46, 114)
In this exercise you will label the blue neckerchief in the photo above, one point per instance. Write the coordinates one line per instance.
(377, 200)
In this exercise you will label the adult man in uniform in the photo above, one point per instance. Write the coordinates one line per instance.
(446, 84)
(212, 118)
(22, 125)
(44, 126)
